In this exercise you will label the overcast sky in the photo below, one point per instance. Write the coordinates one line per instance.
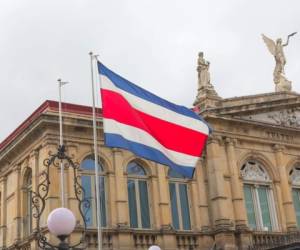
(152, 43)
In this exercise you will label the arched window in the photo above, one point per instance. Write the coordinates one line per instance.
(295, 180)
(28, 202)
(259, 198)
(138, 201)
(89, 185)
(179, 201)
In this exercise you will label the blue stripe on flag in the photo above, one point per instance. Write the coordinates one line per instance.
(114, 140)
(129, 87)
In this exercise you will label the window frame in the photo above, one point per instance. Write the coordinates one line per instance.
(136, 179)
(254, 186)
(177, 181)
(91, 174)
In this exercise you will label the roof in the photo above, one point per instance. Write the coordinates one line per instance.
(48, 106)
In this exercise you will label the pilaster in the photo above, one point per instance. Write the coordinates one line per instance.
(287, 202)
(121, 199)
(3, 212)
(202, 206)
(236, 188)
(17, 212)
(216, 182)
(164, 200)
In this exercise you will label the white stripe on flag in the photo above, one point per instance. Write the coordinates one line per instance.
(156, 110)
(140, 136)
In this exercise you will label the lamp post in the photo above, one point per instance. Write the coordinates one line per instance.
(154, 247)
(61, 221)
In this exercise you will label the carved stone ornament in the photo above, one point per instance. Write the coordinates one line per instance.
(252, 171)
(286, 118)
(295, 176)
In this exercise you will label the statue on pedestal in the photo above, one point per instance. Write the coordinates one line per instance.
(276, 49)
(205, 88)
(203, 72)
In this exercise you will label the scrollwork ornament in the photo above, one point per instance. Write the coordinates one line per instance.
(39, 197)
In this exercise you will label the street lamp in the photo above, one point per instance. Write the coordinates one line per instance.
(154, 247)
(61, 221)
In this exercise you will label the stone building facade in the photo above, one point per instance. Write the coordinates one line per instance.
(245, 193)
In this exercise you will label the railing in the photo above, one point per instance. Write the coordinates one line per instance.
(187, 242)
(271, 240)
(143, 240)
(107, 239)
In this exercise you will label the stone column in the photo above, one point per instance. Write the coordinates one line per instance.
(216, 184)
(17, 212)
(168, 241)
(220, 206)
(3, 214)
(164, 198)
(121, 186)
(287, 200)
(240, 213)
(202, 206)
(34, 164)
(154, 200)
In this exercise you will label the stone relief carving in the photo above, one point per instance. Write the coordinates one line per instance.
(287, 118)
(295, 176)
(252, 171)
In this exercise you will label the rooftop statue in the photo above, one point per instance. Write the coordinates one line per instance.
(203, 72)
(276, 49)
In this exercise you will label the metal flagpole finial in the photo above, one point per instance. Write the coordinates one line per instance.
(61, 83)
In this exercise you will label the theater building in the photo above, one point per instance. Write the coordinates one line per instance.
(245, 193)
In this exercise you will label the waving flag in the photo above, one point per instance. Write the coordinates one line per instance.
(149, 126)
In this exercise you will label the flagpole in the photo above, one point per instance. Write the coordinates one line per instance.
(62, 184)
(97, 198)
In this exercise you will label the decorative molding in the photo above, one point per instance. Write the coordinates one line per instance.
(252, 171)
(295, 176)
(278, 148)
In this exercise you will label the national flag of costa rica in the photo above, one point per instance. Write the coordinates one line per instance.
(149, 126)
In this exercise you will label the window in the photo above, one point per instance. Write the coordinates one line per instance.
(89, 186)
(179, 201)
(138, 196)
(28, 205)
(259, 200)
(295, 180)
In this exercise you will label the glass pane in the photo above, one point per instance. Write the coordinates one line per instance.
(296, 200)
(144, 204)
(185, 212)
(249, 206)
(173, 174)
(264, 207)
(87, 210)
(134, 168)
(89, 164)
(102, 200)
(174, 208)
(132, 204)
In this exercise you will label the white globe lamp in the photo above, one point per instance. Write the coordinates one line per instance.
(154, 248)
(61, 222)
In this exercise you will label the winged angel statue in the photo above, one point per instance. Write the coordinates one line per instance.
(276, 49)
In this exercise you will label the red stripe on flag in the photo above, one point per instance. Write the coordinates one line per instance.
(170, 135)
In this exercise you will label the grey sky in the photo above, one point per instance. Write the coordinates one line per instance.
(151, 43)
